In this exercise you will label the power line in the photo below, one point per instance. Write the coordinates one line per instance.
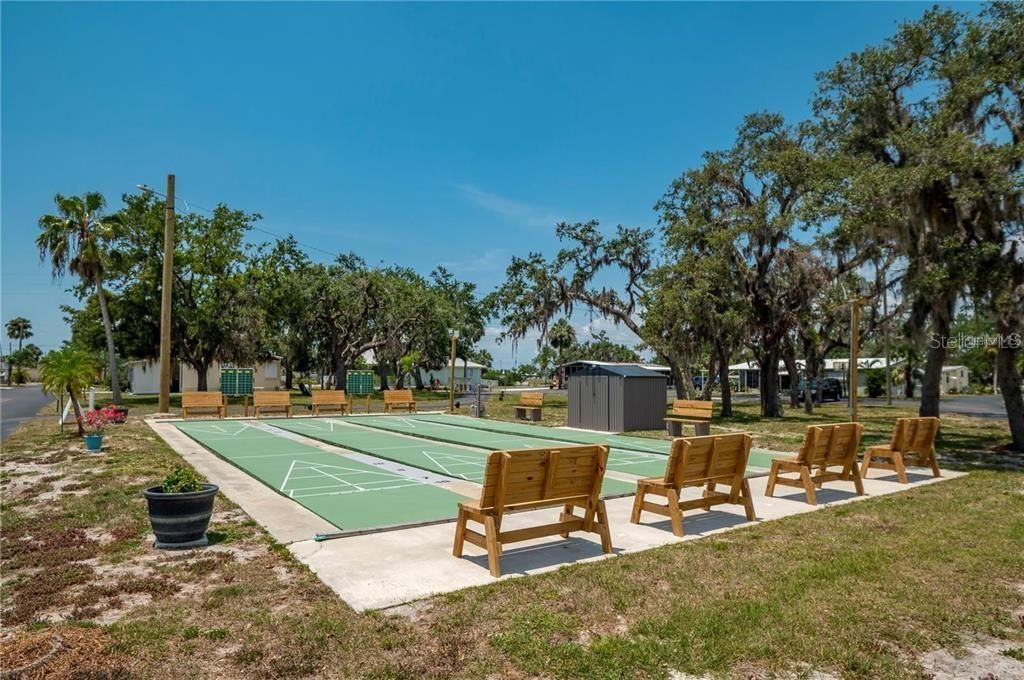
(188, 209)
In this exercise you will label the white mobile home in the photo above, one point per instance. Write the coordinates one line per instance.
(144, 376)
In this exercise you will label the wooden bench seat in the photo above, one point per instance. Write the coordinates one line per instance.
(688, 412)
(698, 461)
(824, 447)
(530, 406)
(280, 401)
(399, 399)
(335, 400)
(529, 479)
(913, 443)
(203, 401)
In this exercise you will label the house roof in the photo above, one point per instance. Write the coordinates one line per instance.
(658, 368)
(840, 364)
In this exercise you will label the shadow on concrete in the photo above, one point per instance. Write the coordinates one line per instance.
(823, 495)
(558, 552)
(698, 522)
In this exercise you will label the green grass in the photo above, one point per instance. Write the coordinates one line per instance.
(857, 590)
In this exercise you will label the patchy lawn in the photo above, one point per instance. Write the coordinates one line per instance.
(863, 590)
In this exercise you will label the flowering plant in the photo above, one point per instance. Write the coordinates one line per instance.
(99, 418)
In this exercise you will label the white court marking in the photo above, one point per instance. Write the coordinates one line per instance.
(344, 480)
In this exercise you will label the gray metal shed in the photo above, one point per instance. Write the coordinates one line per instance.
(615, 398)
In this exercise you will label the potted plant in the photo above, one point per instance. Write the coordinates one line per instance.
(180, 509)
(96, 420)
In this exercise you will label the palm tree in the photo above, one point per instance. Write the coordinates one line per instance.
(20, 329)
(562, 336)
(69, 369)
(74, 241)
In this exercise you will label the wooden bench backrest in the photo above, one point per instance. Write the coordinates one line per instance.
(531, 399)
(271, 398)
(693, 409)
(397, 396)
(915, 434)
(831, 444)
(695, 461)
(323, 397)
(527, 476)
(202, 399)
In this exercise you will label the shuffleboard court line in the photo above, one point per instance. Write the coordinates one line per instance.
(353, 495)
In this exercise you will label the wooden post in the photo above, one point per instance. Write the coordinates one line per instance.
(165, 300)
(451, 375)
(854, 351)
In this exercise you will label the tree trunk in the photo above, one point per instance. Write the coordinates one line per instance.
(399, 376)
(723, 377)
(908, 380)
(201, 370)
(1010, 385)
(417, 377)
(78, 411)
(769, 374)
(709, 384)
(108, 329)
(288, 377)
(677, 378)
(382, 372)
(942, 311)
(789, 357)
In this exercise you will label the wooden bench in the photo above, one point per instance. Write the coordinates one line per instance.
(400, 399)
(331, 399)
(913, 442)
(205, 401)
(530, 406)
(529, 479)
(696, 413)
(263, 400)
(824, 447)
(698, 461)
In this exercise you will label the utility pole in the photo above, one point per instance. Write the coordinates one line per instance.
(451, 374)
(888, 353)
(165, 300)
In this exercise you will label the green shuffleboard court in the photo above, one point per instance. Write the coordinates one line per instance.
(460, 461)
(350, 493)
(760, 462)
(634, 462)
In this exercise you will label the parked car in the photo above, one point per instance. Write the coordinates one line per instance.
(831, 388)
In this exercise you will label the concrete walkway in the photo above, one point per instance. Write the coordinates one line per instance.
(385, 569)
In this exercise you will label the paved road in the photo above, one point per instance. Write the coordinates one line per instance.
(19, 404)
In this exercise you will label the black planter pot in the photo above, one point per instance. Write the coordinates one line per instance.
(180, 519)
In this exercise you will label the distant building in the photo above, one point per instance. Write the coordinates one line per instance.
(748, 373)
(468, 374)
(144, 376)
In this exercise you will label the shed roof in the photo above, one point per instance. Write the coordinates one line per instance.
(623, 370)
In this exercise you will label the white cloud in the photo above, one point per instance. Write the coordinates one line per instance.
(508, 208)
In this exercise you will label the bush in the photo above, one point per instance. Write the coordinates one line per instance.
(19, 376)
(876, 382)
(182, 479)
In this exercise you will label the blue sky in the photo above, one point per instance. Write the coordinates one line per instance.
(419, 135)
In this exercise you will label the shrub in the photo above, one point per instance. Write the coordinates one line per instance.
(182, 479)
(876, 382)
(97, 419)
(19, 376)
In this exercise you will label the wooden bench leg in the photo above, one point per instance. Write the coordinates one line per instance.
(805, 477)
(602, 528)
(901, 469)
(772, 476)
(493, 551)
(675, 513)
(856, 477)
(638, 503)
(702, 429)
(567, 514)
(865, 464)
(674, 429)
(932, 459)
(460, 533)
(748, 501)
